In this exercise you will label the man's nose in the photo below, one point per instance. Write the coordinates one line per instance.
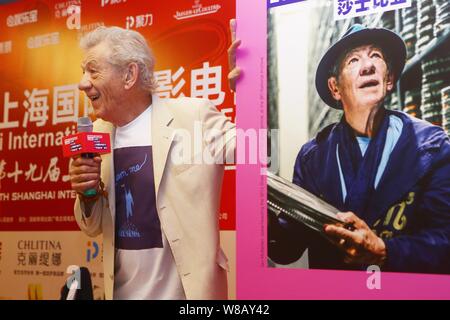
(84, 83)
(367, 67)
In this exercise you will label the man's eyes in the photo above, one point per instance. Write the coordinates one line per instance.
(373, 55)
(376, 55)
(90, 71)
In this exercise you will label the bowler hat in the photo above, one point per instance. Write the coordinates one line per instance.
(392, 45)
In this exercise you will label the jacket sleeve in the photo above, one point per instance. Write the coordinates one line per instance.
(428, 249)
(91, 225)
(219, 134)
(288, 239)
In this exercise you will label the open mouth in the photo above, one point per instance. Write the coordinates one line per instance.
(369, 84)
(93, 98)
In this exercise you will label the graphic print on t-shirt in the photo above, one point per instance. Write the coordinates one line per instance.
(137, 222)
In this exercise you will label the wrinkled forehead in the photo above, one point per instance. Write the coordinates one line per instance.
(98, 55)
(365, 48)
(360, 49)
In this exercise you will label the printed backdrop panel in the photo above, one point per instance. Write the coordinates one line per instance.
(40, 103)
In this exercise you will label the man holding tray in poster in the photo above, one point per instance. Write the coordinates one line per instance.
(158, 215)
(388, 173)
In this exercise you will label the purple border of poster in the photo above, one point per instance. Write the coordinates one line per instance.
(277, 3)
(254, 279)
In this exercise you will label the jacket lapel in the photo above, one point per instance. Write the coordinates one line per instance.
(108, 159)
(162, 137)
(406, 166)
(324, 166)
(331, 190)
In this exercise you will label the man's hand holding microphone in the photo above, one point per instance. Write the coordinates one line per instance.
(85, 148)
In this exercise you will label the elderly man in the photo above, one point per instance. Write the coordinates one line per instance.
(387, 172)
(158, 214)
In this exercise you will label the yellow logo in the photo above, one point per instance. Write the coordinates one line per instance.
(395, 217)
(35, 292)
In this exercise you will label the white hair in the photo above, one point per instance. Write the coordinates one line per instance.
(126, 46)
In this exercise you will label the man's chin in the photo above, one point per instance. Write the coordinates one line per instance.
(372, 99)
(99, 115)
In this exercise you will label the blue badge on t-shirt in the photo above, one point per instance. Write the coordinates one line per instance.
(137, 221)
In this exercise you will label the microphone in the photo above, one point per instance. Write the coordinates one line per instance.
(84, 124)
(87, 144)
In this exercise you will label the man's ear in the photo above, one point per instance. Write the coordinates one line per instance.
(131, 75)
(332, 85)
(390, 82)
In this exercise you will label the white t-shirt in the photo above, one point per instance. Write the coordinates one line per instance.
(144, 264)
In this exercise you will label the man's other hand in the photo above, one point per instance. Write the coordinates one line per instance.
(235, 72)
(361, 245)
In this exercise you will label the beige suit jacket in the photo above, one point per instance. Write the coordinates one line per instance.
(187, 192)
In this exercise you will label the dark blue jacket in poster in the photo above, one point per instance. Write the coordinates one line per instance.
(409, 209)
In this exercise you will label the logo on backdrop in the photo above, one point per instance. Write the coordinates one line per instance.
(92, 251)
(35, 291)
(45, 254)
(140, 21)
(197, 10)
(43, 40)
(22, 18)
(5, 47)
(111, 2)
